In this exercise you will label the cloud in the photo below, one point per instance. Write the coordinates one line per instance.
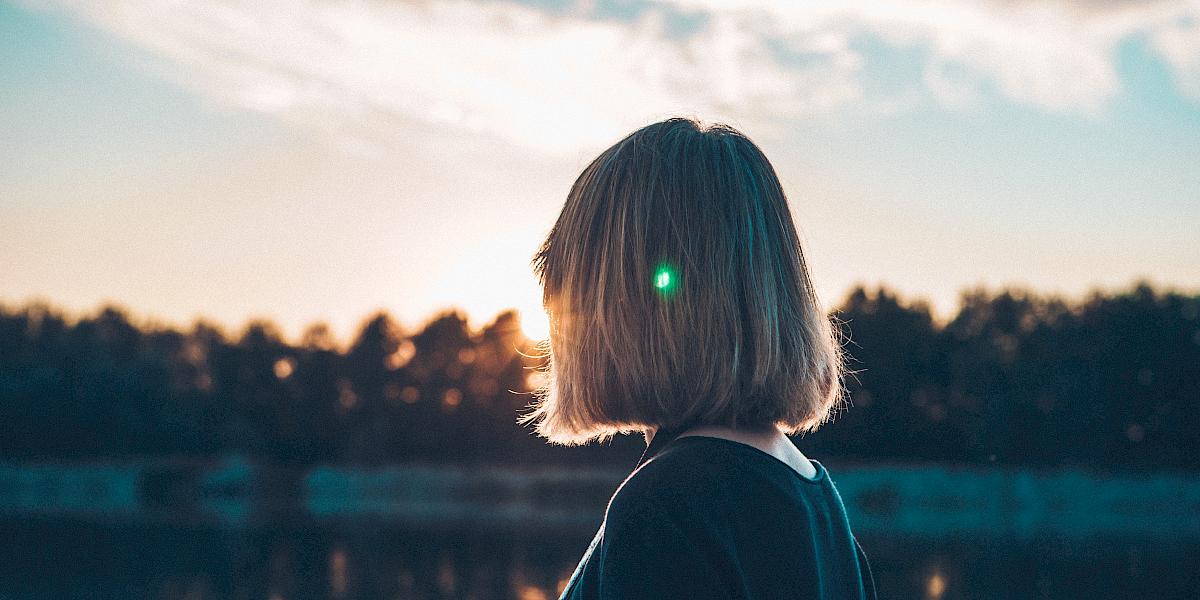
(1054, 55)
(554, 83)
(1178, 40)
(376, 71)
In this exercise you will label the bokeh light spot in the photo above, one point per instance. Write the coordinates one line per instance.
(666, 279)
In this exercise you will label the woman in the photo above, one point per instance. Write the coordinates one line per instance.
(681, 307)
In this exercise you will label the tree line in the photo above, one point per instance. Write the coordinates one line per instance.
(1013, 378)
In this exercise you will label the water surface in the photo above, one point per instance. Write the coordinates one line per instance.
(43, 558)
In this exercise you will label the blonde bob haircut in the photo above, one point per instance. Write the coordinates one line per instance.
(678, 295)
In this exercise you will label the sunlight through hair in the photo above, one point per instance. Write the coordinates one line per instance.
(677, 293)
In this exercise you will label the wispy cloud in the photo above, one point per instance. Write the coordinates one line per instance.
(557, 82)
(1055, 55)
(364, 69)
(1178, 39)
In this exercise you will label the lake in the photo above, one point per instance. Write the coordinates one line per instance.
(239, 529)
(51, 558)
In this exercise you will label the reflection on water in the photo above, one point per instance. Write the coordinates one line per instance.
(936, 585)
(50, 559)
(337, 573)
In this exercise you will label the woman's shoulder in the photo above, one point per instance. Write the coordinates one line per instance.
(673, 469)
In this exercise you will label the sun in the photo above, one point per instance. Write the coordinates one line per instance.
(535, 324)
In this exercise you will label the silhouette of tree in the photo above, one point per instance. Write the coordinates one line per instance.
(1014, 377)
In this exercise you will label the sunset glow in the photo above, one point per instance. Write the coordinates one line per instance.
(535, 324)
(220, 161)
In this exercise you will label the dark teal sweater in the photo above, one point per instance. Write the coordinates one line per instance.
(704, 517)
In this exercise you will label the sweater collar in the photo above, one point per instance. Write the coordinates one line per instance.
(662, 437)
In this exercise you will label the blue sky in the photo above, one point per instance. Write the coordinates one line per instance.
(194, 161)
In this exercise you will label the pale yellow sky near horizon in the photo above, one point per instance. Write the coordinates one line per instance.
(207, 261)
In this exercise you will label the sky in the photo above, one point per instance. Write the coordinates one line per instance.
(306, 161)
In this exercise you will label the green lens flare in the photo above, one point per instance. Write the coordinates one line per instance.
(665, 279)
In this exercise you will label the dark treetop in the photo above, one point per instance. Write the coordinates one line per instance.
(705, 517)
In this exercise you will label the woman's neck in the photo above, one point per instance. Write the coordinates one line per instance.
(770, 440)
(759, 436)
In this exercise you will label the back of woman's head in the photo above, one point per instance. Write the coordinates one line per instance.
(678, 295)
